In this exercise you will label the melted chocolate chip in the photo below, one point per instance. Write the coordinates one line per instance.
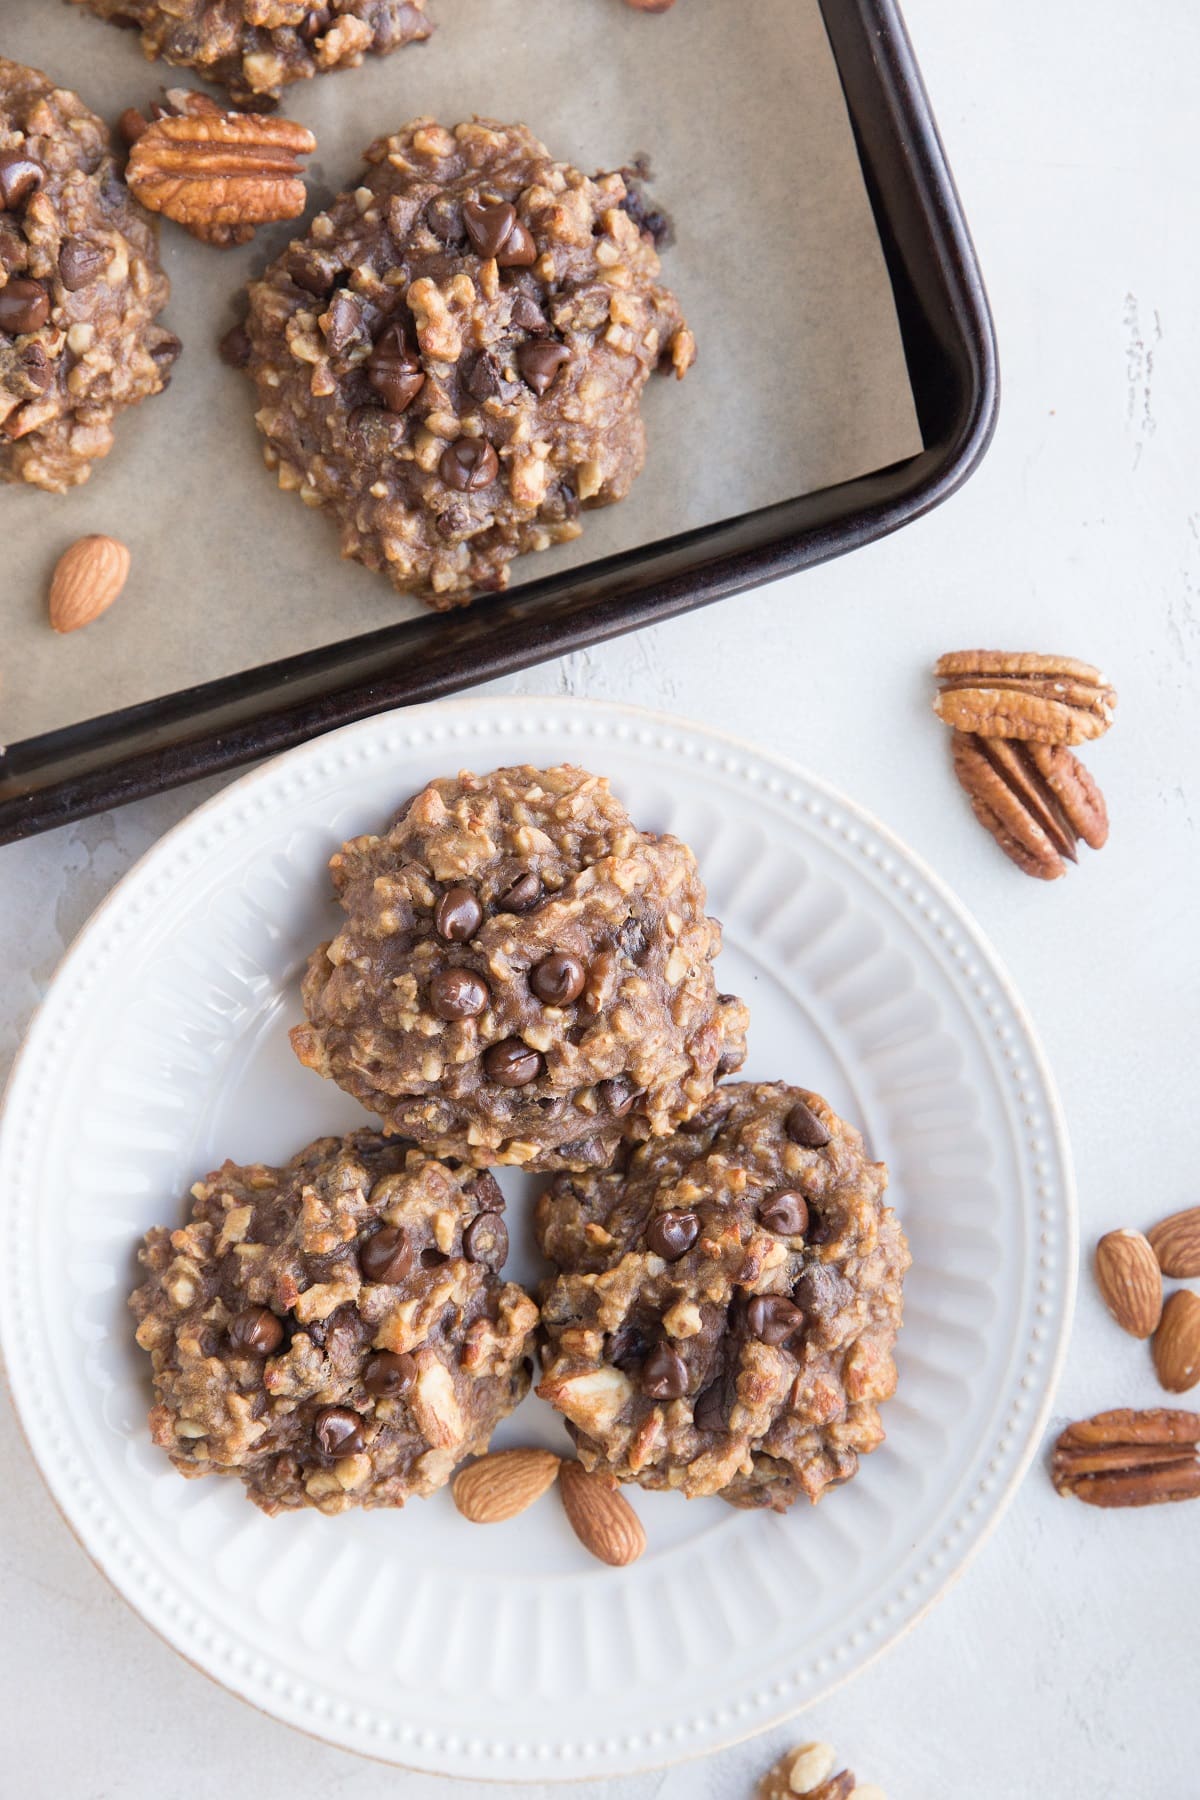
(457, 994)
(785, 1212)
(527, 315)
(36, 365)
(485, 1240)
(485, 379)
(394, 369)
(458, 915)
(618, 1095)
(387, 1257)
(338, 1431)
(80, 263)
(432, 1259)
(803, 1127)
(235, 347)
(343, 321)
(21, 176)
(518, 250)
(558, 979)
(488, 224)
(627, 1347)
(444, 217)
(485, 1191)
(315, 23)
(664, 1374)
(672, 1234)
(256, 1329)
(512, 1063)
(24, 306)
(709, 1413)
(521, 895)
(313, 276)
(540, 363)
(387, 1374)
(822, 1292)
(468, 465)
(773, 1319)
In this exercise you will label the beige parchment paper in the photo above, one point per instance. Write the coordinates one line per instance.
(801, 380)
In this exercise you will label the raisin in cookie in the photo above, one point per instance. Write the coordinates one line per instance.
(334, 1332)
(522, 975)
(81, 287)
(728, 1301)
(451, 362)
(255, 47)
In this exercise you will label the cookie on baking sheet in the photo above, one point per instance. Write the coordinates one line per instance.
(335, 1332)
(522, 976)
(255, 47)
(450, 362)
(727, 1302)
(82, 287)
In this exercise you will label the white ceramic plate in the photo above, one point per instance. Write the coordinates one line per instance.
(161, 1048)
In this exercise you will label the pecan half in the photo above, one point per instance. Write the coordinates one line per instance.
(219, 174)
(1037, 800)
(1040, 699)
(1127, 1458)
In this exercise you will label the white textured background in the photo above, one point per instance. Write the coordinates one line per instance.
(1064, 1664)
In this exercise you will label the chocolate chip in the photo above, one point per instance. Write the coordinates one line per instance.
(387, 1257)
(626, 1347)
(527, 315)
(485, 1191)
(822, 1292)
(664, 1374)
(458, 915)
(803, 1127)
(672, 1234)
(708, 1414)
(433, 1259)
(338, 1431)
(619, 1095)
(387, 1374)
(444, 217)
(558, 979)
(518, 249)
(235, 347)
(35, 365)
(485, 1239)
(773, 1319)
(394, 369)
(21, 176)
(256, 1329)
(163, 353)
(342, 322)
(313, 276)
(488, 224)
(512, 1063)
(79, 263)
(521, 895)
(631, 939)
(540, 363)
(315, 23)
(457, 994)
(24, 306)
(485, 379)
(468, 464)
(785, 1212)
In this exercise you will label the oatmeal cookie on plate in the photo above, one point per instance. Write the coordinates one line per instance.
(451, 362)
(727, 1302)
(522, 976)
(335, 1332)
(81, 287)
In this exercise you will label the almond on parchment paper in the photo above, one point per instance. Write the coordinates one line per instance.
(1176, 1345)
(1130, 1281)
(1176, 1243)
(601, 1517)
(86, 580)
(503, 1484)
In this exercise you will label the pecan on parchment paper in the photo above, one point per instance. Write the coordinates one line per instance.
(218, 174)
(1128, 1458)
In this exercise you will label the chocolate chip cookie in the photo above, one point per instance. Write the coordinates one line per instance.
(727, 1302)
(335, 1333)
(450, 363)
(81, 287)
(255, 47)
(522, 975)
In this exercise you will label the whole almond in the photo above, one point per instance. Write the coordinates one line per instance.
(601, 1517)
(1176, 1243)
(1177, 1343)
(503, 1484)
(87, 579)
(1130, 1281)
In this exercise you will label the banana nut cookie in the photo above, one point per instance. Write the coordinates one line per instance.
(522, 976)
(727, 1302)
(451, 362)
(80, 287)
(255, 47)
(335, 1332)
